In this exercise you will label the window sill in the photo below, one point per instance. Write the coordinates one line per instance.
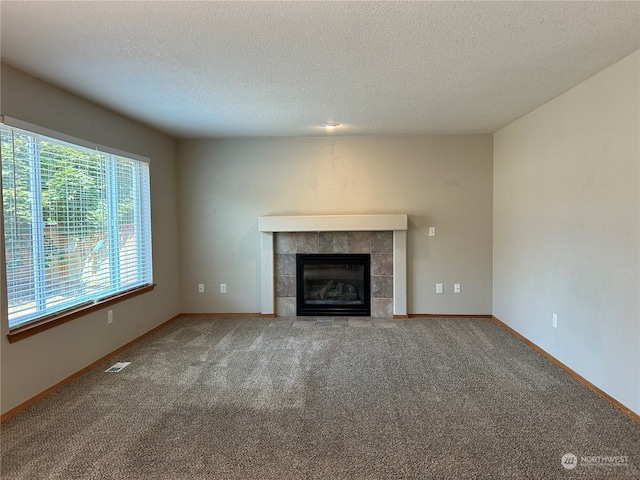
(20, 333)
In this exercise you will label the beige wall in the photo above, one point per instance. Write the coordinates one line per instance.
(444, 181)
(566, 229)
(36, 363)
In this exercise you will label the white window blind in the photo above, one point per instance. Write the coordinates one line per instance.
(77, 224)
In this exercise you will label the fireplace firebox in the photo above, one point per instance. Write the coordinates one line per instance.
(333, 284)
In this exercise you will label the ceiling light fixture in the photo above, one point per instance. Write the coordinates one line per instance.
(329, 126)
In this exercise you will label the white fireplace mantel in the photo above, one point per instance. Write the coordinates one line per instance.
(397, 223)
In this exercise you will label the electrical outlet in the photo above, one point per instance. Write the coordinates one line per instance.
(201, 288)
(555, 321)
(110, 317)
(439, 288)
(223, 288)
(456, 288)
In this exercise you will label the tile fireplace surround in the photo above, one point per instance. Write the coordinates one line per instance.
(365, 233)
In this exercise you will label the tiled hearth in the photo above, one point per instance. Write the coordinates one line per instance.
(378, 244)
(351, 322)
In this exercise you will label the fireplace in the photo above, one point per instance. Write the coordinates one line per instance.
(333, 284)
(283, 236)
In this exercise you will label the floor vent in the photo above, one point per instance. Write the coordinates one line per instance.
(117, 367)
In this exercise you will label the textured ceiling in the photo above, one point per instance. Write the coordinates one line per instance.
(213, 69)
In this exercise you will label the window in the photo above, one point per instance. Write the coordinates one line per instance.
(77, 226)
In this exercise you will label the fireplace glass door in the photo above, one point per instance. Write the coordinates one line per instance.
(333, 284)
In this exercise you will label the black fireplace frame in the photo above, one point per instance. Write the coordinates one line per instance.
(333, 310)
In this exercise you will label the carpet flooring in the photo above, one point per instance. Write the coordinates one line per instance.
(251, 398)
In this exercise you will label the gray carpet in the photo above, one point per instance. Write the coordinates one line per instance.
(250, 398)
